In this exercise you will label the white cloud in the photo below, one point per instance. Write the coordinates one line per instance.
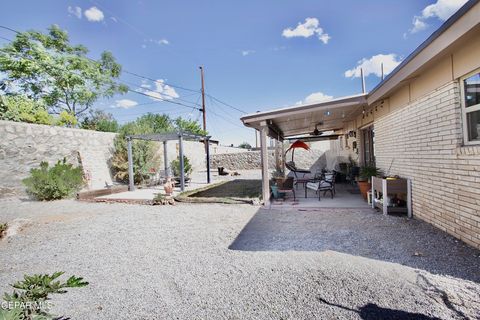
(315, 97)
(94, 14)
(76, 11)
(162, 91)
(247, 52)
(125, 103)
(373, 65)
(159, 42)
(442, 10)
(309, 28)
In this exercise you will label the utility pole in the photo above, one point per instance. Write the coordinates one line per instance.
(206, 141)
(203, 100)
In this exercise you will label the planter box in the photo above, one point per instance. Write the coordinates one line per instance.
(388, 187)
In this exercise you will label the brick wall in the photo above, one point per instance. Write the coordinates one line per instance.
(424, 140)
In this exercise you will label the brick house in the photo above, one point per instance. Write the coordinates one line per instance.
(421, 122)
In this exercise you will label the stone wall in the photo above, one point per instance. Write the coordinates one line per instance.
(322, 154)
(424, 141)
(23, 146)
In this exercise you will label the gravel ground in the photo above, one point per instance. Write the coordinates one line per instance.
(241, 262)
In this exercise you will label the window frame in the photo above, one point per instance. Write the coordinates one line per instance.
(465, 111)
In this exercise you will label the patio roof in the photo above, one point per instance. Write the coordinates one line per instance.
(302, 119)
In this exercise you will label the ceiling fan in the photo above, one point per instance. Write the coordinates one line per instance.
(317, 132)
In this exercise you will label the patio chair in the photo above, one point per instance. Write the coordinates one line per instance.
(299, 174)
(287, 187)
(325, 183)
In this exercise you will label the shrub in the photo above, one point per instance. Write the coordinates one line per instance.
(57, 182)
(100, 120)
(67, 119)
(187, 167)
(31, 302)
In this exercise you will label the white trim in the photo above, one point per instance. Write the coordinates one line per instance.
(470, 109)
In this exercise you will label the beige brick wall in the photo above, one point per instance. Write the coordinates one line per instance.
(424, 140)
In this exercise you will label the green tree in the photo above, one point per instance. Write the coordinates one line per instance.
(99, 120)
(245, 145)
(22, 109)
(191, 126)
(48, 67)
(144, 152)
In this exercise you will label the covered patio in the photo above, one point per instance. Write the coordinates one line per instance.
(321, 121)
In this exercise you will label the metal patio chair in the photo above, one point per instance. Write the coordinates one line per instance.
(325, 183)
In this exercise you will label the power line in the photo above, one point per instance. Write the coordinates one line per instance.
(149, 78)
(226, 104)
(139, 88)
(157, 81)
(164, 100)
(126, 71)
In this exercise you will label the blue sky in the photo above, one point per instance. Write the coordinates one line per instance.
(257, 55)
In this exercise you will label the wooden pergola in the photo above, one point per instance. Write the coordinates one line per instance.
(165, 137)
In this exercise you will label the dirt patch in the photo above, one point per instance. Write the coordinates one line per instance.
(229, 192)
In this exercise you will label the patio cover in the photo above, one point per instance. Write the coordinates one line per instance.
(302, 119)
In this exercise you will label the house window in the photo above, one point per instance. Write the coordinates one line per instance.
(471, 107)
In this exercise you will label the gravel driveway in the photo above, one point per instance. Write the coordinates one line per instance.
(241, 262)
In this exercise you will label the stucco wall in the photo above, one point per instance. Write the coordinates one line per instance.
(423, 141)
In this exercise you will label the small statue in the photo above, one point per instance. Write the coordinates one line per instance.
(168, 186)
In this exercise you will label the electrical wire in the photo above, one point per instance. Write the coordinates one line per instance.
(149, 78)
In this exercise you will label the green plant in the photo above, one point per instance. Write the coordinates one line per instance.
(47, 66)
(3, 229)
(20, 108)
(67, 119)
(100, 120)
(245, 145)
(57, 182)
(367, 172)
(31, 302)
(187, 167)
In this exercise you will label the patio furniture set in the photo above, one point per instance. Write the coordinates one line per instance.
(323, 181)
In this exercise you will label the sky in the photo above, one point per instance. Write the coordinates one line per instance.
(257, 55)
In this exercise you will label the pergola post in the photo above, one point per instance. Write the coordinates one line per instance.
(182, 165)
(131, 185)
(264, 163)
(165, 158)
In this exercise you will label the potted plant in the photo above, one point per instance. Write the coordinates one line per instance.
(187, 169)
(278, 177)
(365, 178)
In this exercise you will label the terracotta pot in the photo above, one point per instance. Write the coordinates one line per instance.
(364, 187)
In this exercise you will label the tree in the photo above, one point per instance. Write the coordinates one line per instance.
(145, 156)
(22, 109)
(99, 120)
(47, 67)
(245, 145)
(191, 126)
